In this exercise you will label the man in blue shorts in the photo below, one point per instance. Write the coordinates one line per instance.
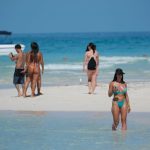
(19, 59)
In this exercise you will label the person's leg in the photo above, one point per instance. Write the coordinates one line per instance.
(97, 72)
(93, 81)
(89, 81)
(33, 85)
(16, 82)
(28, 80)
(124, 116)
(39, 85)
(18, 90)
(115, 113)
(22, 89)
(22, 82)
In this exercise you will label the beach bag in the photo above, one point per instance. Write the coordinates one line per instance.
(91, 64)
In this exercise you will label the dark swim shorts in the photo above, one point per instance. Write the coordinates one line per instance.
(18, 76)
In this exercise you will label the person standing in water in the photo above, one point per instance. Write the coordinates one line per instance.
(19, 59)
(91, 65)
(33, 62)
(120, 103)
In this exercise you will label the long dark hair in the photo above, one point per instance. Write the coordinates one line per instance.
(35, 50)
(115, 78)
(92, 46)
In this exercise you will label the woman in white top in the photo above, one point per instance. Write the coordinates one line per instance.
(90, 65)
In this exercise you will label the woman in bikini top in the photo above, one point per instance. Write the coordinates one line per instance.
(119, 91)
(120, 103)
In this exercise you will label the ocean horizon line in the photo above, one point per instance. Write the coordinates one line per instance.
(90, 32)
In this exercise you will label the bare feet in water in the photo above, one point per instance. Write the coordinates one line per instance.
(114, 127)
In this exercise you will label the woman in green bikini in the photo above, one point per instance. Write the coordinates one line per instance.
(120, 103)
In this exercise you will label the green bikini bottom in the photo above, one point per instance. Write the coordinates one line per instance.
(120, 103)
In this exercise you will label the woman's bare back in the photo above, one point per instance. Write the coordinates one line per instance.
(34, 63)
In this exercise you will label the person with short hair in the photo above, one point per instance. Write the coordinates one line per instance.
(19, 59)
(120, 103)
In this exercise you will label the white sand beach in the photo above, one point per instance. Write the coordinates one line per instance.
(74, 98)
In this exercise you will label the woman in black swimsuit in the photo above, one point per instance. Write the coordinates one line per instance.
(91, 65)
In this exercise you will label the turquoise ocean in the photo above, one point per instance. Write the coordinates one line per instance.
(63, 55)
(64, 52)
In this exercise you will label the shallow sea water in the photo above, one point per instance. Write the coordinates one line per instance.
(71, 131)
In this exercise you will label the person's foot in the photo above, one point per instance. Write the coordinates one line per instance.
(20, 94)
(92, 92)
(33, 95)
(39, 93)
(25, 95)
(114, 127)
(89, 92)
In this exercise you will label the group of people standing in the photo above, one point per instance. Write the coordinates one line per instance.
(117, 87)
(27, 69)
(28, 65)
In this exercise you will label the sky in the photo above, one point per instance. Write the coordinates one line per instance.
(48, 16)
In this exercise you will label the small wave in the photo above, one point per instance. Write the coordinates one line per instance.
(115, 60)
(105, 62)
(3, 54)
(121, 60)
(147, 71)
(63, 67)
(148, 59)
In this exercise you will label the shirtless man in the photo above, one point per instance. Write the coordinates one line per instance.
(33, 62)
(19, 59)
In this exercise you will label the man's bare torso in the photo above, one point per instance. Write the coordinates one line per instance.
(20, 61)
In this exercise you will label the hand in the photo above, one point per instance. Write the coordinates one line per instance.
(115, 89)
(84, 69)
(129, 109)
(115, 98)
(42, 71)
(97, 70)
(10, 55)
(24, 71)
